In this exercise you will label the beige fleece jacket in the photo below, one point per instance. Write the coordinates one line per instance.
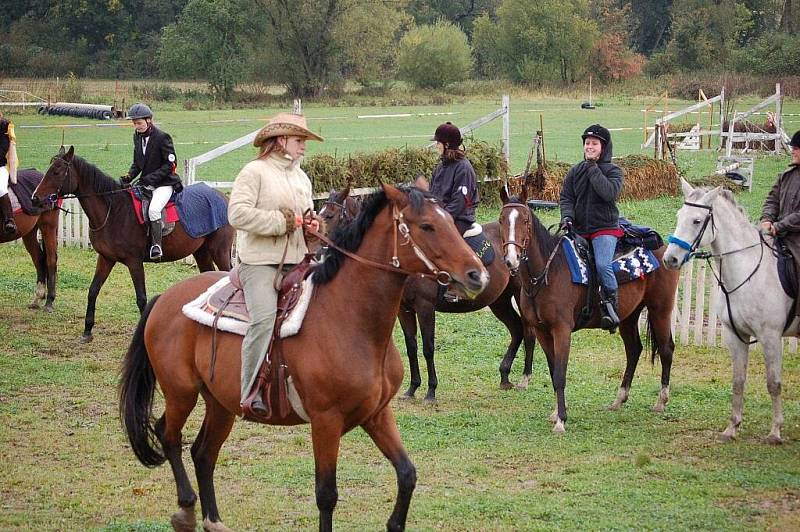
(262, 188)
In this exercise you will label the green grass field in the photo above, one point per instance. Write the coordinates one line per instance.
(486, 459)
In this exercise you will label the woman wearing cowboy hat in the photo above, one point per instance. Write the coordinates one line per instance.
(589, 206)
(266, 206)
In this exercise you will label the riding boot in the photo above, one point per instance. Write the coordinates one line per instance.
(9, 226)
(609, 314)
(155, 238)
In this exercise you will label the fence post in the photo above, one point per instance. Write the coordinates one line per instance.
(506, 129)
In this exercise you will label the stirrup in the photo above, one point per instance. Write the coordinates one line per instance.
(156, 252)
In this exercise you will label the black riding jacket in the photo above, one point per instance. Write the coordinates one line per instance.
(157, 164)
(453, 183)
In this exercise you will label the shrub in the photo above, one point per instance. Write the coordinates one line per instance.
(434, 56)
(772, 54)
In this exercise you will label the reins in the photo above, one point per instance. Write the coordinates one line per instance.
(440, 276)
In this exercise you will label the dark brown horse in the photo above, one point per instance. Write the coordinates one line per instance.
(342, 362)
(421, 301)
(552, 303)
(115, 233)
(44, 255)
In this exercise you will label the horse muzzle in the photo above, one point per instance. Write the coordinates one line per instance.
(473, 284)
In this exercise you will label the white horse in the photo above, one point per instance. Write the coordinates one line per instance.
(752, 304)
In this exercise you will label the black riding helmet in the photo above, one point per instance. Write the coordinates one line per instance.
(795, 142)
(139, 110)
(597, 131)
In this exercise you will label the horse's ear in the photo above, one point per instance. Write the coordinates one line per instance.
(504, 193)
(346, 191)
(421, 183)
(395, 195)
(61, 152)
(711, 195)
(523, 194)
(70, 154)
(686, 188)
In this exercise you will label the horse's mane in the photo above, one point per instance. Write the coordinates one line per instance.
(99, 180)
(725, 194)
(350, 235)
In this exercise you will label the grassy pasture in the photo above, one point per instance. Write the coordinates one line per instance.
(486, 459)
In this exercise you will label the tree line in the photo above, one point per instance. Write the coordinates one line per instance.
(314, 46)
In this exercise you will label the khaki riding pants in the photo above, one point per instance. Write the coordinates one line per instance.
(262, 303)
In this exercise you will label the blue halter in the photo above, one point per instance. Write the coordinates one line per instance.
(692, 248)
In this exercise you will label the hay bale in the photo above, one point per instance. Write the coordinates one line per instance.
(401, 166)
(645, 178)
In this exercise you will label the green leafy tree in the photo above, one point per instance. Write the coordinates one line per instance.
(434, 56)
(209, 39)
(536, 40)
(462, 13)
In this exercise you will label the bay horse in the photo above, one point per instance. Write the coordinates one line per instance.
(552, 303)
(746, 273)
(343, 363)
(120, 237)
(44, 255)
(421, 302)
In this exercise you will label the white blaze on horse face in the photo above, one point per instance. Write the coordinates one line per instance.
(511, 251)
(322, 210)
(443, 213)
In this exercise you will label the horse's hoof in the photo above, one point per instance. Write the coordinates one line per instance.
(407, 396)
(211, 526)
(184, 520)
(614, 406)
(49, 309)
(34, 306)
(558, 428)
(725, 438)
(658, 408)
(506, 385)
(430, 400)
(774, 439)
(86, 338)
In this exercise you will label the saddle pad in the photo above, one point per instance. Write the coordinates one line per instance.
(482, 248)
(630, 266)
(170, 209)
(200, 311)
(22, 191)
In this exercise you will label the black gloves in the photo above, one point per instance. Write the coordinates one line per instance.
(125, 179)
(566, 225)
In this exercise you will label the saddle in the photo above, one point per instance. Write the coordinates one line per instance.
(141, 204)
(271, 381)
(480, 244)
(786, 269)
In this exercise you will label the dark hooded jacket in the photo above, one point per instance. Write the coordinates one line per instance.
(589, 194)
(453, 183)
(5, 142)
(782, 208)
(157, 163)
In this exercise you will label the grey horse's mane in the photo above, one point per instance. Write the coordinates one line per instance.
(725, 194)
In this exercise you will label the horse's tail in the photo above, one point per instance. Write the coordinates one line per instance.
(649, 343)
(136, 390)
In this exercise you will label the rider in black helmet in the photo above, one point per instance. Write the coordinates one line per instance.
(154, 159)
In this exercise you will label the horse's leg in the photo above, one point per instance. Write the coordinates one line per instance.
(216, 427)
(426, 314)
(773, 355)
(219, 245)
(546, 341)
(32, 245)
(382, 428)
(136, 270)
(529, 343)
(326, 433)
(504, 311)
(659, 323)
(629, 330)
(561, 339)
(50, 240)
(739, 355)
(180, 400)
(101, 272)
(408, 322)
(203, 259)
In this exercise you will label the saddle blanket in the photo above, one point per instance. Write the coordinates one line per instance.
(477, 240)
(632, 265)
(21, 192)
(199, 311)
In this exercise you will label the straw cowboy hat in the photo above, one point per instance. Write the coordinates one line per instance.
(285, 125)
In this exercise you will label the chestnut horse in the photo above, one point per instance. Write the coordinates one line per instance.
(421, 302)
(552, 303)
(44, 255)
(342, 362)
(120, 237)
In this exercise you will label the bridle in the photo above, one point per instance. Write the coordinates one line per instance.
(399, 226)
(344, 214)
(693, 253)
(522, 247)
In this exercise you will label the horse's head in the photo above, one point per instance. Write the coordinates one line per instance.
(340, 208)
(430, 243)
(694, 219)
(57, 180)
(515, 224)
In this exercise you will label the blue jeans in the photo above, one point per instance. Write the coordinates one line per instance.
(604, 247)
